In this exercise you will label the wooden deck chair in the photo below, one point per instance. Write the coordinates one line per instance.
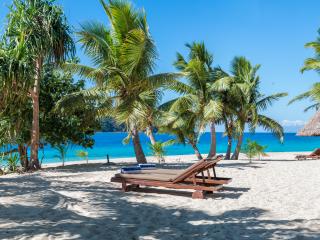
(200, 177)
(314, 155)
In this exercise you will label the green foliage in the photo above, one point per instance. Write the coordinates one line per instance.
(244, 102)
(12, 161)
(37, 31)
(62, 150)
(41, 27)
(83, 154)
(253, 149)
(76, 127)
(123, 56)
(158, 149)
(311, 64)
(198, 105)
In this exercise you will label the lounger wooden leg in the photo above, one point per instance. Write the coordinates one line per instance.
(125, 188)
(198, 195)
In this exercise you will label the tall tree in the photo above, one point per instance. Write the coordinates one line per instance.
(198, 98)
(243, 85)
(221, 87)
(15, 74)
(124, 58)
(46, 35)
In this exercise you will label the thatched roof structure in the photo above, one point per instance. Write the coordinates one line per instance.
(312, 128)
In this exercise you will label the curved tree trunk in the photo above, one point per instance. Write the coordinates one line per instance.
(35, 132)
(196, 151)
(236, 153)
(213, 145)
(22, 149)
(229, 147)
(151, 136)
(141, 158)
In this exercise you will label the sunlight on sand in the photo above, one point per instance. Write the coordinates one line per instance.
(269, 199)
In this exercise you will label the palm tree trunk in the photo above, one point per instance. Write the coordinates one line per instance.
(196, 151)
(213, 145)
(35, 132)
(22, 149)
(151, 136)
(229, 147)
(141, 158)
(236, 153)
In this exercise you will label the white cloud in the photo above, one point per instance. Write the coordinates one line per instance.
(293, 123)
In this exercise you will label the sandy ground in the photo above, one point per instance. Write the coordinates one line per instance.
(276, 198)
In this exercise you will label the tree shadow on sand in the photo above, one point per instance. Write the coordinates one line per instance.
(103, 212)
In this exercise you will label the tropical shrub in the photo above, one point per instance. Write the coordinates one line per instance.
(83, 154)
(62, 152)
(253, 149)
(12, 162)
(158, 149)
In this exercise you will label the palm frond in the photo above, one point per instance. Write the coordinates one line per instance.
(268, 101)
(271, 125)
(311, 64)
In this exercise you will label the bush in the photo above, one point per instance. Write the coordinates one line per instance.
(253, 149)
(12, 162)
(83, 154)
(158, 149)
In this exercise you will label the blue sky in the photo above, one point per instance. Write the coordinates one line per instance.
(270, 32)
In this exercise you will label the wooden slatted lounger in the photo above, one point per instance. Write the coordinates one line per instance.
(200, 177)
(314, 155)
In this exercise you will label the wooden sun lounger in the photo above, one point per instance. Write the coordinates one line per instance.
(314, 155)
(200, 177)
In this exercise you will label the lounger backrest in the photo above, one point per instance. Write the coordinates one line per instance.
(316, 152)
(196, 168)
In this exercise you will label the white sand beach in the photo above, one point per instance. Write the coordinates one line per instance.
(275, 198)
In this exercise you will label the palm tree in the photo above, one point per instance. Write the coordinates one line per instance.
(311, 64)
(185, 126)
(313, 94)
(124, 60)
(158, 149)
(221, 87)
(46, 35)
(243, 86)
(253, 149)
(197, 100)
(62, 150)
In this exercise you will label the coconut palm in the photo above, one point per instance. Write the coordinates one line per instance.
(124, 60)
(62, 150)
(243, 85)
(221, 87)
(313, 94)
(185, 126)
(42, 28)
(158, 149)
(311, 64)
(197, 100)
(253, 149)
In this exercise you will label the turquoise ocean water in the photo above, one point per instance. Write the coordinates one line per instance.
(111, 144)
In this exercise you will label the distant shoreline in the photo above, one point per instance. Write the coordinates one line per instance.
(170, 158)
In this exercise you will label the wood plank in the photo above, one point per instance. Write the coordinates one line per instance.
(211, 187)
(217, 180)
